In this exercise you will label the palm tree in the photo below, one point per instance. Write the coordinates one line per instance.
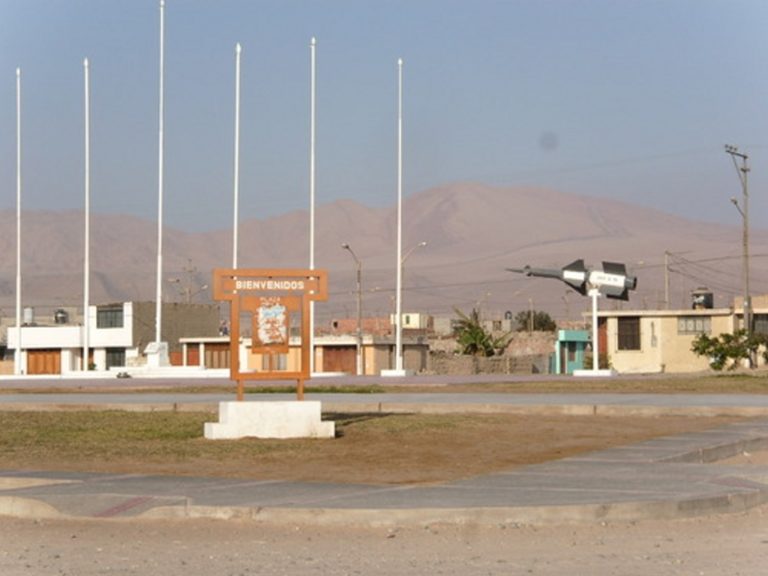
(475, 340)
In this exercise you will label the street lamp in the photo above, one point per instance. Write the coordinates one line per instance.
(743, 171)
(419, 245)
(399, 312)
(359, 268)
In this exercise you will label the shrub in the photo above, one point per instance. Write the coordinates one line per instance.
(729, 350)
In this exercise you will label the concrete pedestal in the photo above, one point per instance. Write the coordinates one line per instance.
(597, 373)
(295, 419)
(396, 373)
(157, 354)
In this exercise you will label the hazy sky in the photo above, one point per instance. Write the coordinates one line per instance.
(629, 99)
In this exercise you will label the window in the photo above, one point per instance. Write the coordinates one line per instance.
(760, 323)
(629, 333)
(115, 357)
(694, 325)
(109, 317)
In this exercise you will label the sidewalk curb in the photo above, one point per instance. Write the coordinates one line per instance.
(331, 407)
(29, 508)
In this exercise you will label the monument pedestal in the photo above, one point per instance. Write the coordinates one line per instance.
(394, 373)
(157, 354)
(296, 419)
(597, 373)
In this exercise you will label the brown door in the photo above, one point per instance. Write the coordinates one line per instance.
(340, 359)
(193, 354)
(217, 355)
(44, 362)
(602, 341)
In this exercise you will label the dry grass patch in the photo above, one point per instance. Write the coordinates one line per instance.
(369, 448)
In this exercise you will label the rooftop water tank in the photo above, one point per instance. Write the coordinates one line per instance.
(702, 299)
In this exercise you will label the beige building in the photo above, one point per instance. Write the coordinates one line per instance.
(655, 341)
(333, 354)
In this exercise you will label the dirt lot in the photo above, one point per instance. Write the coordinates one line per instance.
(729, 545)
(369, 449)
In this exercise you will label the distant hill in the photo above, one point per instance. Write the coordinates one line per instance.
(473, 233)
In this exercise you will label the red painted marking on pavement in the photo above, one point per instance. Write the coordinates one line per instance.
(120, 508)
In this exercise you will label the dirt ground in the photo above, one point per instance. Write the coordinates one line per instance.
(385, 449)
(726, 545)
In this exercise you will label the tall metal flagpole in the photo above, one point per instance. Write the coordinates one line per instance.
(87, 214)
(399, 284)
(312, 121)
(17, 353)
(238, 50)
(159, 295)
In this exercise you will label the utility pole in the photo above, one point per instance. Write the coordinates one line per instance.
(359, 271)
(743, 209)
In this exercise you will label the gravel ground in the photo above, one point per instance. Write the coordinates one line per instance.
(732, 545)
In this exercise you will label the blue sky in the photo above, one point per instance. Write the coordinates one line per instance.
(631, 100)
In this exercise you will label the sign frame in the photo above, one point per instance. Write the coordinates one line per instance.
(271, 295)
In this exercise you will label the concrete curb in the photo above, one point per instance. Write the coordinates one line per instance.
(480, 516)
(419, 517)
(17, 507)
(331, 407)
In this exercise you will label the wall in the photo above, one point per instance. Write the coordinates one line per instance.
(179, 319)
(445, 364)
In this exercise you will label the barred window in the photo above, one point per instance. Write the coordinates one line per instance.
(109, 317)
(694, 325)
(115, 357)
(760, 323)
(629, 333)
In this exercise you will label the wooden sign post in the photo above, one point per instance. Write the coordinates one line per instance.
(271, 300)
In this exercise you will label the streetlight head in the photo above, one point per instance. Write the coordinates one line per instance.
(730, 149)
(734, 201)
(423, 243)
(345, 246)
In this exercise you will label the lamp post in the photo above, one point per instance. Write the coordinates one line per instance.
(359, 270)
(743, 209)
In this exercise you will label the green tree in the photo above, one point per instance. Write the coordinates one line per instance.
(729, 350)
(474, 339)
(541, 321)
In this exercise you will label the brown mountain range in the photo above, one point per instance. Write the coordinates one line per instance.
(473, 233)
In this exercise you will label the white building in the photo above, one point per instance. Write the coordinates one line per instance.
(118, 335)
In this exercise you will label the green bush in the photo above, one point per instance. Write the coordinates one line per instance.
(730, 350)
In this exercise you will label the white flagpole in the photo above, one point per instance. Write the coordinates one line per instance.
(159, 295)
(312, 123)
(238, 50)
(17, 353)
(87, 213)
(399, 283)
